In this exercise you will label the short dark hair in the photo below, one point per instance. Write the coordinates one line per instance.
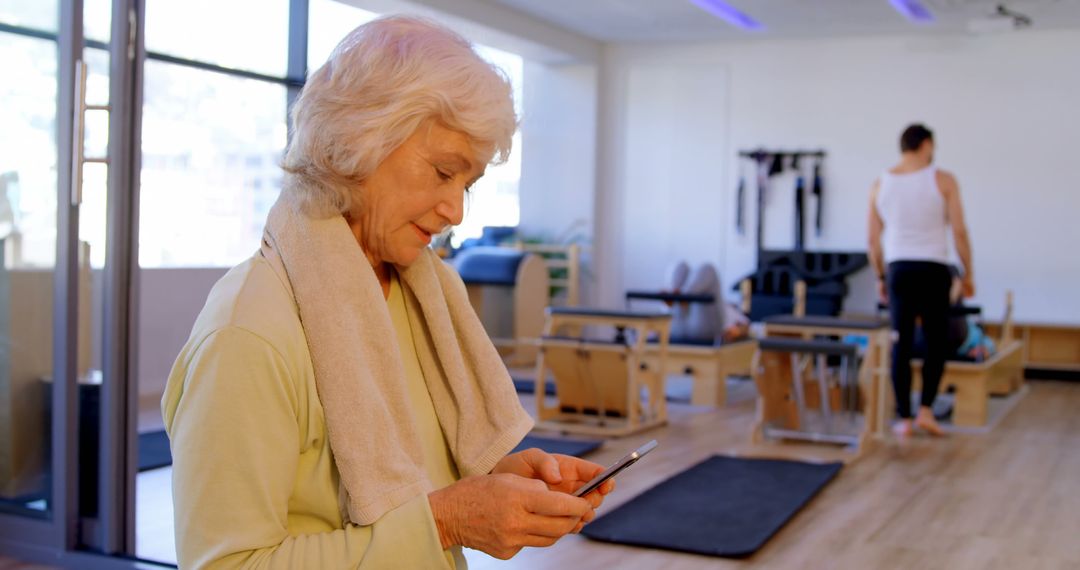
(914, 136)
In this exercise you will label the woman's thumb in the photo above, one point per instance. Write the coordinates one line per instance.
(548, 467)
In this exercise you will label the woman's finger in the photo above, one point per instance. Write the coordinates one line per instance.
(544, 464)
(556, 504)
(577, 468)
(595, 499)
(552, 527)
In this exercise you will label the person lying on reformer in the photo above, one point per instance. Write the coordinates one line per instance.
(702, 323)
(967, 339)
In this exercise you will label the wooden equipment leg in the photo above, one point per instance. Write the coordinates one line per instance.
(972, 402)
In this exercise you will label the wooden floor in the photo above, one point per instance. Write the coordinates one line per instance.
(10, 564)
(1006, 499)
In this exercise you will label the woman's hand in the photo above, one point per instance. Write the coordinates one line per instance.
(502, 513)
(969, 286)
(560, 472)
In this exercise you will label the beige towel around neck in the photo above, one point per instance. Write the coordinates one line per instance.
(359, 373)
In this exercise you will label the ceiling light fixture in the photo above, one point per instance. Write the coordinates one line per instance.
(729, 14)
(913, 10)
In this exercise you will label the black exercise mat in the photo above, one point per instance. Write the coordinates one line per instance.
(154, 450)
(723, 506)
(575, 447)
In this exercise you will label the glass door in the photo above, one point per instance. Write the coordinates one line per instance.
(40, 41)
(28, 158)
(65, 286)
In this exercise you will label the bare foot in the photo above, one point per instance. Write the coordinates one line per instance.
(926, 422)
(903, 429)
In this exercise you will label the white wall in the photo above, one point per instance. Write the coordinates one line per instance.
(169, 302)
(661, 187)
(558, 132)
(558, 168)
(673, 190)
(1004, 109)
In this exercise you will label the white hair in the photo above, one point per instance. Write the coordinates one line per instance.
(382, 82)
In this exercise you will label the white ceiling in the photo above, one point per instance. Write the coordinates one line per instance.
(682, 21)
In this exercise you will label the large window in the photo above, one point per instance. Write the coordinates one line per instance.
(214, 129)
(28, 249)
(29, 45)
(30, 14)
(250, 35)
(212, 144)
(28, 151)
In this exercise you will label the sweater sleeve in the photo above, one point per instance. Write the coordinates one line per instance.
(235, 436)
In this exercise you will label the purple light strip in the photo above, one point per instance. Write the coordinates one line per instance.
(729, 14)
(913, 10)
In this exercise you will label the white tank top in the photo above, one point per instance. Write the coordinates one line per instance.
(913, 211)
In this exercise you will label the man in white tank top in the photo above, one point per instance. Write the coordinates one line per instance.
(913, 206)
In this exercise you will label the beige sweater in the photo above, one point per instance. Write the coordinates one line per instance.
(254, 479)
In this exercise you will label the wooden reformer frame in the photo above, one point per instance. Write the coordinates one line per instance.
(598, 384)
(812, 390)
(708, 366)
(872, 371)
(975, 382)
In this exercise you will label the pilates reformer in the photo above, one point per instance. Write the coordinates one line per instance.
(975, 382)
(498, 278)
(809, 390)
(602, 387)
(708, 364)
(563, 263)
(779, 381)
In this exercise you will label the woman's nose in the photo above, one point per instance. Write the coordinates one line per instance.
(452, 206)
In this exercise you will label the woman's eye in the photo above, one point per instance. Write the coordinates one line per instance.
(444, 176)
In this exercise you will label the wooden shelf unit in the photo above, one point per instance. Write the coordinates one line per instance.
(1047, 346)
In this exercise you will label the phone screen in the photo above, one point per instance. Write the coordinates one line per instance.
(615, 469)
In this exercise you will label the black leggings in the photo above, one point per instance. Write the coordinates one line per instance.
(918, 289)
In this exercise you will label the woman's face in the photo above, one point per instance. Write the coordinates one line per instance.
(417, 191)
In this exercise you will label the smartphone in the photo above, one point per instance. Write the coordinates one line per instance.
(615, 469)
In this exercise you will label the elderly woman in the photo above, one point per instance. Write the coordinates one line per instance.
(338, 404)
